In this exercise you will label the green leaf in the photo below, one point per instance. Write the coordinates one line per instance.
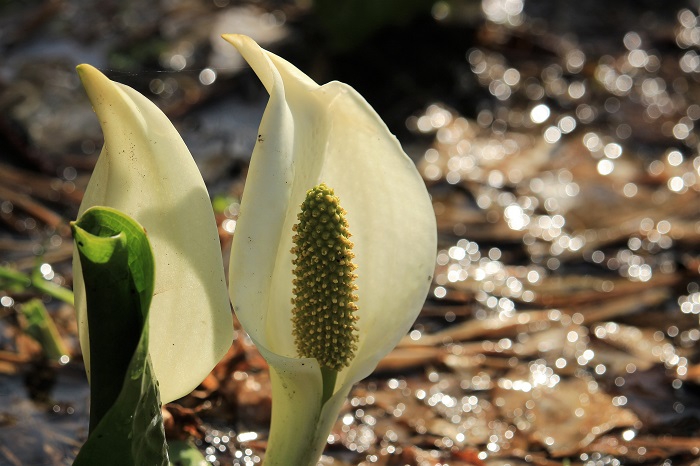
(22, 280)
(183, 453)
(50, 288)
(222, 202)
(41, 327)
(126, 424)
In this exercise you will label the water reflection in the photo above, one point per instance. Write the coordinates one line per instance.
(564, 177)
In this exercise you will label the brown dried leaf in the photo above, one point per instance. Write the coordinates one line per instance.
(564, 418)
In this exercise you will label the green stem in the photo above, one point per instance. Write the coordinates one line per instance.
(15, 276)
(329, 376)
(41, 327)
(38, 282)
(51, 289)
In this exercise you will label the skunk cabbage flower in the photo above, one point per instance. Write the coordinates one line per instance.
(322, 152)
(146, 171)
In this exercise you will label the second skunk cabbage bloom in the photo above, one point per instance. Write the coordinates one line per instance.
(315, 138)
(146, 171)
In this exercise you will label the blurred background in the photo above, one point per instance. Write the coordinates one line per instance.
(557, 140)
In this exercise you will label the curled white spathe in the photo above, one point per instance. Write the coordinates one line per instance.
(146, 171)
(311, 134)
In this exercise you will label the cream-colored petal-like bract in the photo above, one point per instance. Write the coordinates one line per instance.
(146, 171)
(313, 134)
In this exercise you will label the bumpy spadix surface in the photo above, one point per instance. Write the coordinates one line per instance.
(311, 134)
(146, 171)
(324, 303)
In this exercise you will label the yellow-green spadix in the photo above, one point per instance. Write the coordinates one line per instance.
(310, 135)
(146, 171)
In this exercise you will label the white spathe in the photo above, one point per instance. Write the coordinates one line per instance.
(311, 134)
(146, 171)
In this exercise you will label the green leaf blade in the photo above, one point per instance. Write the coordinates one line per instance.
(184, 453)
(126, 425)
(40, 326)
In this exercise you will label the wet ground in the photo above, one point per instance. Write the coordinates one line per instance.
(558, 141)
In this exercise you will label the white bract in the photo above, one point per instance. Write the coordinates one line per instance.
(146, 171)
(313, 134)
